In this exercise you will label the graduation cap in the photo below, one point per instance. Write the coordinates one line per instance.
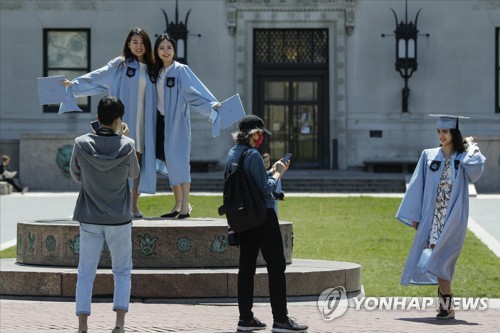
(446, 121)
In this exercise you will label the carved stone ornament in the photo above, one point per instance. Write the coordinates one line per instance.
(292, 7)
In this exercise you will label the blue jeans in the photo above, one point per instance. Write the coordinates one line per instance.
(119, 240)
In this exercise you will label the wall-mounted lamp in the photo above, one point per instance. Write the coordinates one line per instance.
(406, 50)
(179, 32)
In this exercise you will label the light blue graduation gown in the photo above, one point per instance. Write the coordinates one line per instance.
(182, 91)
(122, 80)
(418, 205)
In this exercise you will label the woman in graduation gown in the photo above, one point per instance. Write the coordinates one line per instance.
(129, 77)
(178, 91)
(436, 205)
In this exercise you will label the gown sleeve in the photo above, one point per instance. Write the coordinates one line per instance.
(199, 98)
(93, 83)
(411, 207)
(473, 163)
(96, 82)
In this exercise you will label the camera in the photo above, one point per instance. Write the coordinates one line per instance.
(95, 125)
(279, 196)
(233, 238)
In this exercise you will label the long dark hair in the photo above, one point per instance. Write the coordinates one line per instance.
(159, 64)
(148, 56)
(457, 140)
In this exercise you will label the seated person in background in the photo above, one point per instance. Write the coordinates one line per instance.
(8, 176)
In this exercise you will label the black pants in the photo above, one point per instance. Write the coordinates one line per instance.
(267, 238)
(160, 136)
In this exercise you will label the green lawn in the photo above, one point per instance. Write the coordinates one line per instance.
(361, 230)
(8, 253)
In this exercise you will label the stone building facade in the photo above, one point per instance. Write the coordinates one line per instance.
(318, 71)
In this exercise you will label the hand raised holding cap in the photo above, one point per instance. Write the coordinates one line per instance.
(470, 140)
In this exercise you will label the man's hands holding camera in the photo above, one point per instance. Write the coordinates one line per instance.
(124, 129)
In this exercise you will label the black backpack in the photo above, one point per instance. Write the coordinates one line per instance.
(243, 203)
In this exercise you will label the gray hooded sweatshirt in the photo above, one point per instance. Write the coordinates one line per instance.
(103, 164)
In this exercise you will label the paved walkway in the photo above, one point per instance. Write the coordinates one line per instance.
(37, 316)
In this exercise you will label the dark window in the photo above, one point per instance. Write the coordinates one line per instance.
(291, 46)
(291, 93)
(497, 71)
(66, 52)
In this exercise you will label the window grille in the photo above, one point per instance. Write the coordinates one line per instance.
(291, 46)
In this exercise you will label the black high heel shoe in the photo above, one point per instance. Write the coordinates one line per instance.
(172, 214)
(183, 216)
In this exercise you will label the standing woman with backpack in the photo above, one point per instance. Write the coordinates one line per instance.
(130, 77)
(265, 237)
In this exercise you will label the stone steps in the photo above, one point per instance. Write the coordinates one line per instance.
(322, 185)
(304, 278)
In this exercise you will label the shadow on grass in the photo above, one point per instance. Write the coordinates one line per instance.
(437, 322)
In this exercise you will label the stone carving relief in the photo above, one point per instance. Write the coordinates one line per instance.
(31, 239)
(184, 244)
(50, 243)
(219, 244)
(147, 244)
(63, 158)
(74, 244)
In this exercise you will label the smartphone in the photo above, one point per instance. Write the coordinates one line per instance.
(286, 158)
(95, 125)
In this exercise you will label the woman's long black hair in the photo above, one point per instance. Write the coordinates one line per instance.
(148, 56)
(457, 140)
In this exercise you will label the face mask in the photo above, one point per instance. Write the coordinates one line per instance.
(259, 140)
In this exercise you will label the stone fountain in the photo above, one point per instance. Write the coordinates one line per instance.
(172, 258)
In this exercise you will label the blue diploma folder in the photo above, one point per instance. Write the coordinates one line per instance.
(231, 111)
(50, 90)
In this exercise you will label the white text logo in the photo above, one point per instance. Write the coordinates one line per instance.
(332, 303)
